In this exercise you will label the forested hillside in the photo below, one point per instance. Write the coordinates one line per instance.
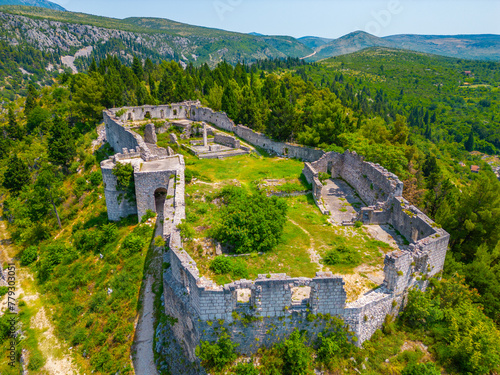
(63, 33)
(417, 115)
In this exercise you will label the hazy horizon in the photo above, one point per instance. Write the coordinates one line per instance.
(320, 18)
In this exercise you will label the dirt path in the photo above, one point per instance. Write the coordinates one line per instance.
(142, 349)
(311, 55)
(315, 258)
(144, 361)
(58, 359)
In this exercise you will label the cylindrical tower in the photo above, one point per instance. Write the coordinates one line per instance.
(116, 202)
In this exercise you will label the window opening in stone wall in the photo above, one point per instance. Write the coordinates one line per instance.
(244, 295)
(285, 151)
(301, 295)
(130, 117)
(147, 115)
(162, 113)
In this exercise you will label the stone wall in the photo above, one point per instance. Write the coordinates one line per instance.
(226, 140)
(194, 111)
(373, 183)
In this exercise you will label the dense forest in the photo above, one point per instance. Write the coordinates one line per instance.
(419, 116)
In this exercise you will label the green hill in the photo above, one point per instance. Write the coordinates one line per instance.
(34, 3)
(157, 38)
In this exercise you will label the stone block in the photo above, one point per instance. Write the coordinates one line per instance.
(150, 134)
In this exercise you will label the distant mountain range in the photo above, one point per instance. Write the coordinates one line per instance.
(34, 3)
(476, 47)
(158, 38)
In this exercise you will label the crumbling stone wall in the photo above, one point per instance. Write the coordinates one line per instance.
(117, 205)
(226, 140)
(201, 306)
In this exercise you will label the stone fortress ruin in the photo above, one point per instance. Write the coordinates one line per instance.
(267, 304)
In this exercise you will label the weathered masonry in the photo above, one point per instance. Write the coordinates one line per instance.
(264, 311)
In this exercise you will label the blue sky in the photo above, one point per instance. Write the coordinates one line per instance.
(326, 18)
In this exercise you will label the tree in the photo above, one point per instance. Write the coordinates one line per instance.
(61, 143)
(229, 103)
(38, 118)
(93, 66)
(250, 223)
(137, 68)
(30, 102)
(48, 188)
(166, 89)
(14, 129)
(296, 355)
(400, 131)
(469, 144)
(215, 356)
(474, 218)
(17, 175)
(88, 96)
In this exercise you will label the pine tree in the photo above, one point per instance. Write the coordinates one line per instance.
(93, 66)
(137, 68)
(14, 129)
(433, 118)
(229, 103)
(30, 102)
(166, 90)
(61, 143)
(469, 144)
(17, 175)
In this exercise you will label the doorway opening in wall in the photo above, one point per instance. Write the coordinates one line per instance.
(130, 117)
(162, 113)
(301, 296)
(147, 115)
(160, 195)
(285, 151)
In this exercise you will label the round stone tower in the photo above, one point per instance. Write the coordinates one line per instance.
(118, 206)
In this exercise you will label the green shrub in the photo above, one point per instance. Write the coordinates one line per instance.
(79, 336)
(414, 368)
(187, 231)
(87, 240)
(95, 179)
(132, 244)
(189, 174)
(29, 256)
(149, 215)
(245, 369)
(215, 356)
(342, 255)
(250, 223)
(4, 290)
(221, 265)
(358, 224)
(52, 256)
(296, 355)
(125, 180)
(36, 360)
(323, 176)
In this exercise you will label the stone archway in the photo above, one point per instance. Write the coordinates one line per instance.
(160, 196)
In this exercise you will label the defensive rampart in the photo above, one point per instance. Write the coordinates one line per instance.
(270, 311)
